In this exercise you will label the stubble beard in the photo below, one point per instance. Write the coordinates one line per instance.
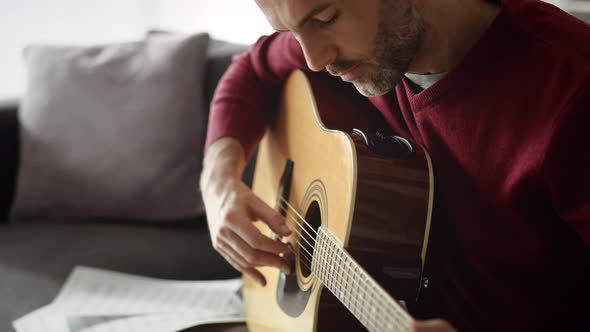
(396, 44)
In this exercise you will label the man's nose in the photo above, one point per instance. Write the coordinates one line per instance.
(318, 52)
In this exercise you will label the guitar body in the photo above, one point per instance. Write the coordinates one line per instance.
(371, 195)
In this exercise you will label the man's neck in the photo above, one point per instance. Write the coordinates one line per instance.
(453, 27)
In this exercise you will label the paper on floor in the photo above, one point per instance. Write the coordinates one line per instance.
(94, 300)
(170, 322)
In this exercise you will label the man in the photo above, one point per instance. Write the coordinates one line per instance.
(499, 94)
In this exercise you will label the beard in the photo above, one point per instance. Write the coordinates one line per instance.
(396, 43)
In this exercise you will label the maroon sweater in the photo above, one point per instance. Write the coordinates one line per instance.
(506, 129)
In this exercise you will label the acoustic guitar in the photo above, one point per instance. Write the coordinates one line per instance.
(359, 203)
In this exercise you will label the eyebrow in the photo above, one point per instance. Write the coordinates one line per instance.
(318, 9)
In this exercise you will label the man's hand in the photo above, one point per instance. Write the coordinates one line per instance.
(230, 214)
(231, 209)
(434, 325)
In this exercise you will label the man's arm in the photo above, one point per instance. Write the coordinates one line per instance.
(249, 90)
(231, 207)
(243, 102)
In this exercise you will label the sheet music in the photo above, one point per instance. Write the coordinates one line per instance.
(94, 300)
(171, 322)
(45, 319)
(41, 320)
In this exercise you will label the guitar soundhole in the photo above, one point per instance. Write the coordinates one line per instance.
(313, 218)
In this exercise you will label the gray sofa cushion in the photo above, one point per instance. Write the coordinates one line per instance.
(219, 56)
(36, 258)
(113, 131)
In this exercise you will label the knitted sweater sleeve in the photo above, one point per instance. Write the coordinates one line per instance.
(248, 91)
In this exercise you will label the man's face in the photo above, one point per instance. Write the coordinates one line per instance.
(370, 43)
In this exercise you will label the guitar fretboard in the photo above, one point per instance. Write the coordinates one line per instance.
(355, 288)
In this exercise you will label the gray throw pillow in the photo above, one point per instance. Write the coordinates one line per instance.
(113, 132)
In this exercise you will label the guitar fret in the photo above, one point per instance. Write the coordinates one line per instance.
(367, 299)
(323, 261)
(341, 277)
(356, 298)
(331, 266)
(317, 259)
(345, 274)
(331, 272)
(326, 268)
(348, 289)
(318, 254)
(371, 310)
(326, 264)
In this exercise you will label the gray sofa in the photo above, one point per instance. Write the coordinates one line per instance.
(36, 258)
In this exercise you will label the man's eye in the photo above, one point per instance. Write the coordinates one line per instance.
(325, 22)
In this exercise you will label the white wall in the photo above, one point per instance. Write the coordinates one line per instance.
(101, 21)
(558, 3)
(233, 20)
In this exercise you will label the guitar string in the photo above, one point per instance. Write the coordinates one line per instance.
(305, 223)
(349, 293)
(398, 319)
(346, 284)
(311, 228)
(365, 281)
(379, 304)
(310, 258)
(396, 312)
(303, 219)
(363, 302)
(301, 235)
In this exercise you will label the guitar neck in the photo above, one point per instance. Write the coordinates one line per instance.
(355, 288)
